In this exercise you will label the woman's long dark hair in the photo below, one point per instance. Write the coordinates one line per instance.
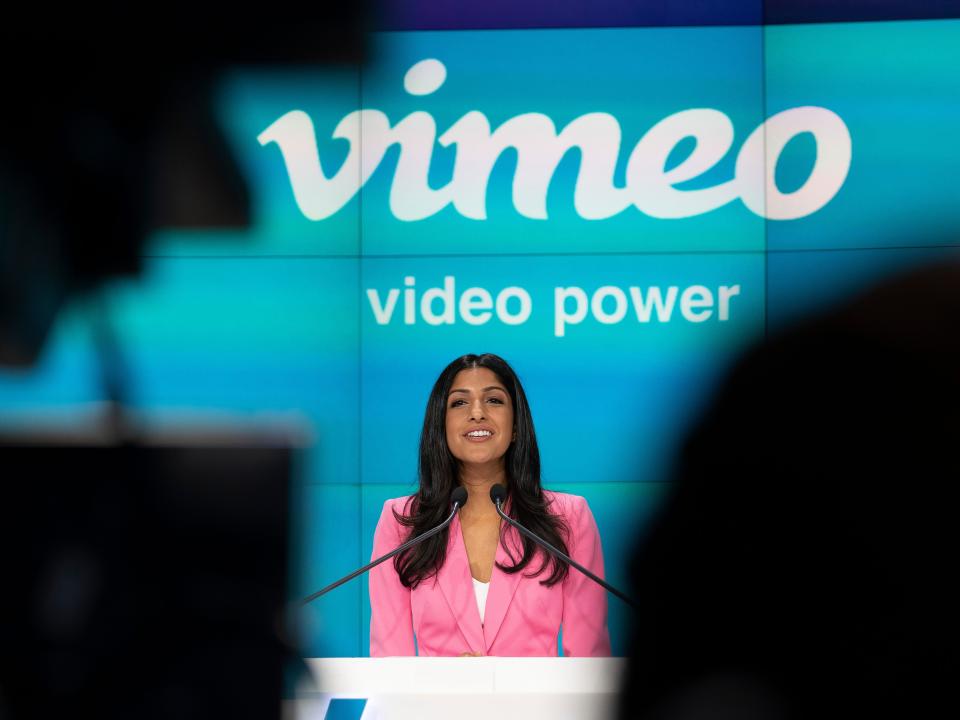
(440, 474)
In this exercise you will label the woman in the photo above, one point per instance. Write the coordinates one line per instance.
(478, 588)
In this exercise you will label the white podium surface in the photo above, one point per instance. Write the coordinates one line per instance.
(487, 688)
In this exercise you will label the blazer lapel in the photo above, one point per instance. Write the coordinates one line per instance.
(456, 584)
(502, 586)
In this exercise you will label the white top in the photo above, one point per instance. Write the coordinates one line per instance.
(480, 590)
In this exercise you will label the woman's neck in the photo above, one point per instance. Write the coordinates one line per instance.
(477, 481)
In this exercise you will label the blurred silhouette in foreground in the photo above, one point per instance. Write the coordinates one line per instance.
(144, 574)
(144, 581)
(804, 565)
(109, 132)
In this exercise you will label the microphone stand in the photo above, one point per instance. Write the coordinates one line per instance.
(368, 566)
(562, 556)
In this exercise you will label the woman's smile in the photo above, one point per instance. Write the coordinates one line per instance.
(479, 434)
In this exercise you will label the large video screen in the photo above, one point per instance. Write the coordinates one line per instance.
(618, 212)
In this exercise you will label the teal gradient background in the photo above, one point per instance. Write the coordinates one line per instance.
(273, 325)
(896, 87)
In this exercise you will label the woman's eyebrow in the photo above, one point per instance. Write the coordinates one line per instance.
(486, 389)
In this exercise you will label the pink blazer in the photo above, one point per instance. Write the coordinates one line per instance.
(522, 617)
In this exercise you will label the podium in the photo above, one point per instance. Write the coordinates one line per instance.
(469, 688)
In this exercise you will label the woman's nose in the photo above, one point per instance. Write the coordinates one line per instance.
(476, 410)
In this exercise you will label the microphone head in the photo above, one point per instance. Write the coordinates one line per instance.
(498, 493)
(458, 497)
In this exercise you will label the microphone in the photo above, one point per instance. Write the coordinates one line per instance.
(458, 498)
(498, 493)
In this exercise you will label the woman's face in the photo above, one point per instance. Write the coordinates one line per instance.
(479, 417)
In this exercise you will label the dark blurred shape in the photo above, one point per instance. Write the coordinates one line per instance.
(143, 581)
(530, 14)
(804, 564)
(791, 12)
(143, 578)
(108, 132)
(509, 14)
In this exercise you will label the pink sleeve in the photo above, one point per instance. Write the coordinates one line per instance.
(584, 621)
(391, 622)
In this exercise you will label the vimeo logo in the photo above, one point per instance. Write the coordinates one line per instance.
(649, 186)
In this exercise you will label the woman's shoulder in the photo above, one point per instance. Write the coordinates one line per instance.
(389, 527)
(565, 504)
(398, 505)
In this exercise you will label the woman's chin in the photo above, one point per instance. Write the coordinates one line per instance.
(481, 461)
